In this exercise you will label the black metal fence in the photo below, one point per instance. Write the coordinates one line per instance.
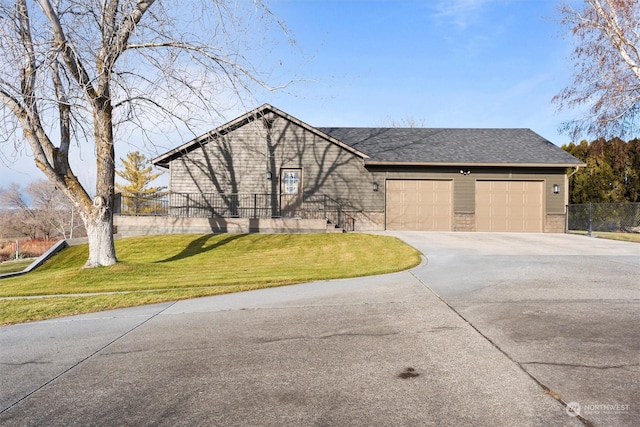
(236, 205)
(141, 205)
(611, 217)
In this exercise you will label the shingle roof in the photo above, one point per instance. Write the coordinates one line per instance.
(432, 146)
(453, 146)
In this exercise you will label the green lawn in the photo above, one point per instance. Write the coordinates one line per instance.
(166, 268)
(13, 266)
(626, 237)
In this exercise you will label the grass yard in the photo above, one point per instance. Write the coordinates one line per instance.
(625, 237)
(156, 269)
(14, 266)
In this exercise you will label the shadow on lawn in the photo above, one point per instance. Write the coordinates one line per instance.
(197, 246)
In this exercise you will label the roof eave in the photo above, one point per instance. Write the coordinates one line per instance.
(370, 162)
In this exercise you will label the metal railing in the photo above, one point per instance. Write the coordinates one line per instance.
(608, 217)
(140, 205)
(237, 205)
(221, 205)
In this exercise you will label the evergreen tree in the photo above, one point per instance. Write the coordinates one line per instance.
(137, 196)
(612, 173)
(632, 173)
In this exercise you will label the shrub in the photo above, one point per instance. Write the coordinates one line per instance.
(27, 248)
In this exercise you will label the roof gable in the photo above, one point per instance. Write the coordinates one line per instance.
(264, 112)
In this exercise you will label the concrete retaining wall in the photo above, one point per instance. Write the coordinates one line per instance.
(148, 225)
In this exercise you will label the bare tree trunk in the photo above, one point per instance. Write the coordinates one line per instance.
(99, 227)
(99, 221)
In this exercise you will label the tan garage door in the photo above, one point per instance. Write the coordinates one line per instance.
(509, 206)
(424, 205)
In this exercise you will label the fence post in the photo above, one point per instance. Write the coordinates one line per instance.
(117, 203)
(255, 205)
(590, 220)
(324, 206)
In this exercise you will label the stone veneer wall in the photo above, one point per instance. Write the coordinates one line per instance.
(464, 222)
(555, 223)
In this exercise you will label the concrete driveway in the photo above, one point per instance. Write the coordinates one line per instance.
(565, 308)
(381, 350)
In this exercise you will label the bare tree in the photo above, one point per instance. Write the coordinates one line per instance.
(38, 210)
(405, 122)
(17, 217)
(78, 72)
(606, 68)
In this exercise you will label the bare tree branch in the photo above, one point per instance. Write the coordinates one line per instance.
(71, 58)
(606, 69)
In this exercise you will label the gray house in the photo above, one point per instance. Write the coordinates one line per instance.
(267, 164)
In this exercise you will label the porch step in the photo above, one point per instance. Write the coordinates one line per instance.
(333, 228)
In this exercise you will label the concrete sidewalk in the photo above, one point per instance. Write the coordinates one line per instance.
(372, 351)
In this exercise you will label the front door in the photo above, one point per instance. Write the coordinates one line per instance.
(290, 191)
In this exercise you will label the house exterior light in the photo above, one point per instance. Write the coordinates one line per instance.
(556, 189)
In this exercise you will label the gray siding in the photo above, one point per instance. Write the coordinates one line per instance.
(237, 162)
(231, 163)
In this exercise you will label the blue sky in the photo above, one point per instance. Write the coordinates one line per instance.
(449, 63)
(440, 63)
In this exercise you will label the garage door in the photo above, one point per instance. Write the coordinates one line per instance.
(509, 206)
(424, 205)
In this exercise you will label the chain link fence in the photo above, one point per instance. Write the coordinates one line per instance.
(607, 217)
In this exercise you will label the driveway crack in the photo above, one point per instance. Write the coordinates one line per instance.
(577, 365)
(327, 336)
(81, 361)
(546, 389)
